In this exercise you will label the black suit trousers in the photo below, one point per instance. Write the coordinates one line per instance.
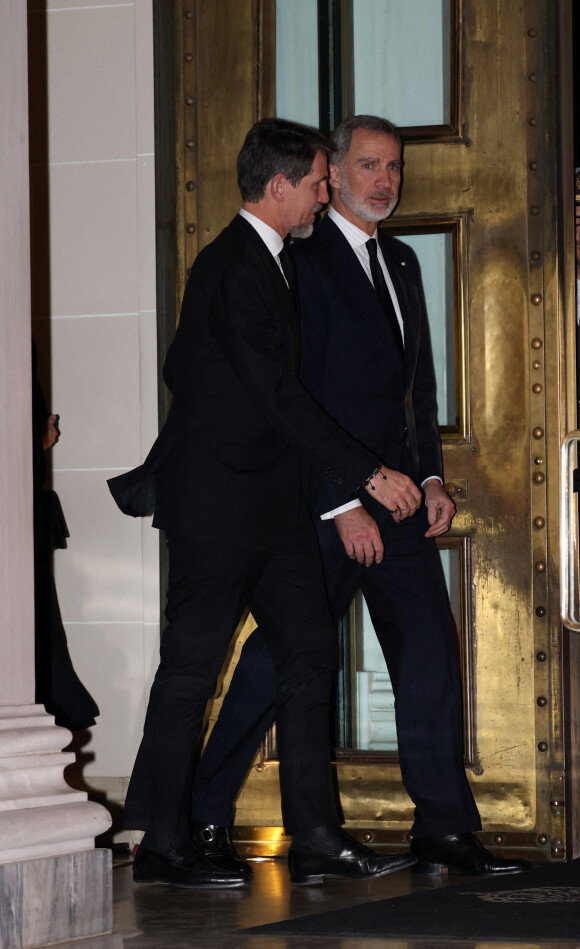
(407, 600)
(209, 588)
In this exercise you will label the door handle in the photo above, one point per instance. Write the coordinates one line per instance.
(569, 566)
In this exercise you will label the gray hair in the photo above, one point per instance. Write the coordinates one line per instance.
(342, 134)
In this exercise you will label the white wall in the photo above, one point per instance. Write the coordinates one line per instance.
(102, 336)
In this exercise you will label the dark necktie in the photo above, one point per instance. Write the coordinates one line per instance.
(290, 273)
(383, 294)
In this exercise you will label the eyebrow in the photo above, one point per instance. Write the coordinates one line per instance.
(392, 161)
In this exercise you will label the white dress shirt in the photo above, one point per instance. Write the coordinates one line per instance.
(357, 240)
(271, 238)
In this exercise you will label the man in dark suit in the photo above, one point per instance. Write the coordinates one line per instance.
(228, 494)
(366, 358)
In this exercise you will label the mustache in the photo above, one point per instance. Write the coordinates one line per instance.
(382, 194)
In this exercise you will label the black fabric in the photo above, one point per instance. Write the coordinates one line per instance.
(209, 588)
(351, 367)
(247, 423)
(57, 686)
(248, 710)
(380, 285)
(290, 273)
(412, 623)
(542, 905)
(40, 416)
(413, 627)
(228, 491)
(134, 492)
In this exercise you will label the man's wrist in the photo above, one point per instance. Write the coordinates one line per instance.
(431, 478)
(349, 506)
(368, 480)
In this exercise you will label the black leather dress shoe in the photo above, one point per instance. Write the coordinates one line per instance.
(215, 842)
(192, 870)
(347, 859)
(460, 852)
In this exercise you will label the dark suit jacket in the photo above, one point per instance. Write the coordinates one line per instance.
(350, 361)
(241, 422)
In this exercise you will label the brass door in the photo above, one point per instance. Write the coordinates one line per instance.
(495, 176)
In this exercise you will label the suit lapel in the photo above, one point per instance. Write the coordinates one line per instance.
(250, 236)
(354, 283)
(282, 299)
(397, 268)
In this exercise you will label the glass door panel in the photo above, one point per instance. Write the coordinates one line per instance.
(297, 61)
(365, 705)
(435, 254)
(402, 60)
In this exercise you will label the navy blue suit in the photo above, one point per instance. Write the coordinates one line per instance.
(352, 367)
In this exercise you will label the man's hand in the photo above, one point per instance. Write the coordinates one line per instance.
(396, 492)
(440, 508)
(360, 535)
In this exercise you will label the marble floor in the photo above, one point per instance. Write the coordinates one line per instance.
(156, 917)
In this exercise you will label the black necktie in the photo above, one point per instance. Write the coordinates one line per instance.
(289, 272)
(383, 294)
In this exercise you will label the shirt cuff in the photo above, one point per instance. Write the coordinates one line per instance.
(432, 478)
(340, 510)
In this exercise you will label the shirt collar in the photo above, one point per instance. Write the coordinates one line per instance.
(271, 238)
(354, 235)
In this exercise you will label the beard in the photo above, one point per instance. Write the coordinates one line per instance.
(302, 231)
(360, 207)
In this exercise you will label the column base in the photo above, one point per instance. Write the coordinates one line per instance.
(55, 899)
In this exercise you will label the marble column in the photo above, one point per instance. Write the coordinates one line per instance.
(54, 884)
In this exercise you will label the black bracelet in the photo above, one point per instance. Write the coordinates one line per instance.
(366, 483)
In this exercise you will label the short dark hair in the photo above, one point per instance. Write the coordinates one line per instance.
(342, 134)
(277, 146)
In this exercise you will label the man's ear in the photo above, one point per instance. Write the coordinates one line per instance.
(278, 185)
(334, 175)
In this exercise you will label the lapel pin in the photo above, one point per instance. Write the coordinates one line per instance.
(403, 263)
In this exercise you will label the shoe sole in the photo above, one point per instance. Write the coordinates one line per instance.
(318, 879)
(436, 869)
(191, 886)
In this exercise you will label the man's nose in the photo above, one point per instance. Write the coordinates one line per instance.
(323, 192)
(385, 176)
